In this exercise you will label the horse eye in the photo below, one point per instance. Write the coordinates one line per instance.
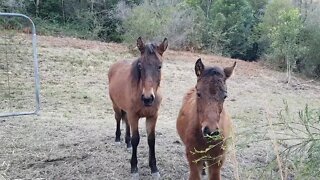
(198, 94)
(159, 67)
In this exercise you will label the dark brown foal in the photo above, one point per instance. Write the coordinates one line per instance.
(203, 124)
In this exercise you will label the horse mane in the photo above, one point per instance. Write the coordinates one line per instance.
(151, 48)
(136, 76)
(135, 73)
(211, 71)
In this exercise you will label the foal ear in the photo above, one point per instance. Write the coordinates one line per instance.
(228, 71)
(199, 67)
(140, 45)
(163, 46)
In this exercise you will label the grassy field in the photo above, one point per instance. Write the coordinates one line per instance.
(73, 137)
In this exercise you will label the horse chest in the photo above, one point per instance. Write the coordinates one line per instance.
(147, 111)
(143, 111)
(202, 148)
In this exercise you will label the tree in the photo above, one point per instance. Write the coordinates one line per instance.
(285, 38)
(234, 20)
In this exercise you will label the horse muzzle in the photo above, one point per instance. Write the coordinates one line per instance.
(147, 101)
(208, 133)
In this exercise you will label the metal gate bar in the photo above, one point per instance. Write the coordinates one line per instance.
(36, 68)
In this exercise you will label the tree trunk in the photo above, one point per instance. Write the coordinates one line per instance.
(37, 2)
(63, 12)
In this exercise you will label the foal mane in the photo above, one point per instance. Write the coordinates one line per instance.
(150, 48)
(212, 71)
(135, 73)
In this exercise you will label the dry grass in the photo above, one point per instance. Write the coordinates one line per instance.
(73, 138)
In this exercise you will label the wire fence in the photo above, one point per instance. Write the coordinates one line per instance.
(19, 75)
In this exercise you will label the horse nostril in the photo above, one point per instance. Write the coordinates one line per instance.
(148, 100)
(206, 131)
(215, 133)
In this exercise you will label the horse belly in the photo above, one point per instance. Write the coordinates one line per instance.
(118, 85)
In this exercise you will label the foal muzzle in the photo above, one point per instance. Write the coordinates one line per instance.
(208, 133)
(147, 101)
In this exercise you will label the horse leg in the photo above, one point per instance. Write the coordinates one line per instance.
(214, 172)
(117, 115)
(135, 139)
(195, 168)
(127, 138)
(203, 172)
(150, 126)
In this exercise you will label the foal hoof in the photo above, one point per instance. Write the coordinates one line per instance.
(204, 177)
(134, 176)
(129, 149)
(155, 175)
(117, 143)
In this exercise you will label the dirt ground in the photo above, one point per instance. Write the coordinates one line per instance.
(73, 136)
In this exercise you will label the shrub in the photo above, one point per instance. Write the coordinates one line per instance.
(154, 21)
(230, 25)
(299, 136)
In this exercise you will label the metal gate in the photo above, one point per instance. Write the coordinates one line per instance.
(12, 42)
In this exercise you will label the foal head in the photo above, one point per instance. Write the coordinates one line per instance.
(149, 68)
(211, 92)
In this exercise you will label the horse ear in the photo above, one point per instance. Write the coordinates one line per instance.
(228, 71)
(140, 45)
(199, 67)
(163, 46)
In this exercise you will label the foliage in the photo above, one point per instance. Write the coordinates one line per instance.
(234, 19)
(310, 65)
(300, 142)
(268, 21)
(300, 21)
(228, 27)
(244, 29)
(177, 21)
(79, 18)
(285, 39)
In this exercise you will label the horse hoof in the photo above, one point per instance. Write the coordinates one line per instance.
(156, 175)
(129, 149)
(134, 176)
(117, 143)
(203, 177)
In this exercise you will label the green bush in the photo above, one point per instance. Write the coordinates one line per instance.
(233, 20)
(310, 64)
(286, 39)
(156, 20)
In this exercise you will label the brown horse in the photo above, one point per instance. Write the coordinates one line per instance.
(203, 124)
(134, 91)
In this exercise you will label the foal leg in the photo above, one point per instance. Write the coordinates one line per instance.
(133, 122)
(117, 115)
(214, 172)
(150, 125)
(195, 168)
(203, 172)
(127, 138)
